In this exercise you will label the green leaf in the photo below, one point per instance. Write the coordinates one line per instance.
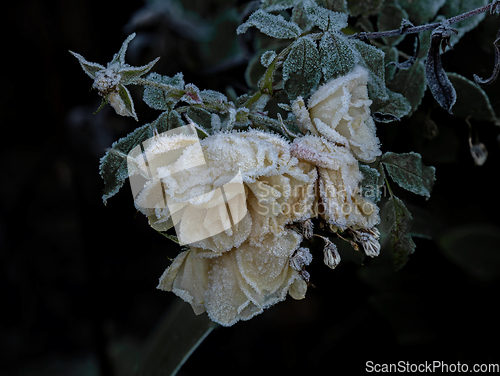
(130, 74)
(364, 7)
(455, 7)
(160, 98)
(399, 223)
(301, 69)
(325, 19)
(174, 339)
(370, 184)
(389, 19)
(336, 55)
(475, 248)
(90, 68)
(411, 84)
(214, 100)
(274, 5)
(119, 58)
(126, 99)
(471, 101)
(408, 171)
(272, 25)
(393, 108)
(372, 58)
(113, 166)
(421, 11)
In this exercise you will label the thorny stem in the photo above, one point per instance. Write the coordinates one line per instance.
(418, 29)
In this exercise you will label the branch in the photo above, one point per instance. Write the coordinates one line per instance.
(418, 29)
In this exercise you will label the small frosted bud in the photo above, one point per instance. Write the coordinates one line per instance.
(331, 255)
(307, 229)
(301, 258)
(479, 153)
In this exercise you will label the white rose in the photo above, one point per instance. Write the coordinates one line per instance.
(342, 205)
(240, 283)
(340, 111)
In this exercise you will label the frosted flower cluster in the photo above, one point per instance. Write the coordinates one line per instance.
(256, 262)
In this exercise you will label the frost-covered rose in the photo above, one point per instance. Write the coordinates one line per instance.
(235, 273)
(277, 189)
(342, 205)
(340, 111)
(240, 283)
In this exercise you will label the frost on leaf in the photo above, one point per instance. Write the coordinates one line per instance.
(422, 11)
(369, 185)
(408, 171)
(267, 58)
(411, 84)
(301, 69)
(472, 101)
(399, 222)
(325, 19)
(455, 7)
(336, 54)
(272, 25)
(168, 95)
(113, 166)
(372, 58)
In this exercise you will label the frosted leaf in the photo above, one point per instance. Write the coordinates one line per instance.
(90, 68)
(160, 99)
(372, 58)
(267, 58)
(214, 100)
(122, 103)
(337, 56)
(272, 25)
(408, 171)
(364, 7)
(130, 74)
(192, 95)
(326, 19)
(119, 58)
(423, 11)
(113, 166)
(340, 111)
(411, 84)
(370, 188)
(301, 69)
(471, 101)
(399, 221)
(274, 5)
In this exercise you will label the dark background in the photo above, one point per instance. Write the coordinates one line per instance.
(79, 278)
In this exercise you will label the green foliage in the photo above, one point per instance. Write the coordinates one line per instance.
(364, 7)
(408, 171)
(301, 69)
(411, 84)
(422, 11)
(370, 183)
(113, 166)
(399, 221)
(472, 101)
(336, 56)
(272, 25)
(455, 7)
(325, 19)
(390, 18)
(168, 95)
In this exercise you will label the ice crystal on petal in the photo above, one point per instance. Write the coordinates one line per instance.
(339, 178)
(239, 284)
(340, 111)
